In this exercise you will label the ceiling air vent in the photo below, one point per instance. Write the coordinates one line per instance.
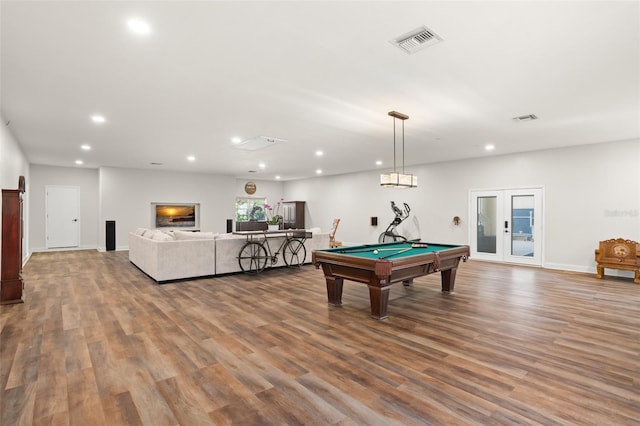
(259, 142)
(417, 39)
(528, 117)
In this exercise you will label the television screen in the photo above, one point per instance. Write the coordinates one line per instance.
(174, 215)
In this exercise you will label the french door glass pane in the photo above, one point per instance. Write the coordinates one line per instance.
(487, 225)
(522, 216)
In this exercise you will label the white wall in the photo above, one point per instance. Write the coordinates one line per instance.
(271, 190)
(592, 193)
(126, 196)
(86, 180)
(13, 164)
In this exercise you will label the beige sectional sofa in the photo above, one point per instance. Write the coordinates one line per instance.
(174, 255)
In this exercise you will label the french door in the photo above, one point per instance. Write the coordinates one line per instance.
(506, 225)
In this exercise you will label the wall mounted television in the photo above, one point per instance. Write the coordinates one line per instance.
(184, 216)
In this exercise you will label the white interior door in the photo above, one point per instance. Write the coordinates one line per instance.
(63, 216)
(507, 225)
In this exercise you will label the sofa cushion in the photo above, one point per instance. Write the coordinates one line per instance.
(184, 235)
(203, 235)
(140, 231)
(162, 236)
(228, 236)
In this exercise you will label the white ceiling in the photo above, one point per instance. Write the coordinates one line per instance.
(321, 75)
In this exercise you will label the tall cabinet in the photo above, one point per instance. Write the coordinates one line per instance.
(11, 283)
(293, 214)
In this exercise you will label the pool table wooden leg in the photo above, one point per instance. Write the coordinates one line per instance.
(334, 290)
(379, 297)
(448, 277)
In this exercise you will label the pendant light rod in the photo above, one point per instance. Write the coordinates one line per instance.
(399, 116)
(394, 146)
(402, 146)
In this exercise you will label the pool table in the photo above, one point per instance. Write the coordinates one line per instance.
(380, 265)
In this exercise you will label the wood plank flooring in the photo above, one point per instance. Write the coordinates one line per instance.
(99, 343)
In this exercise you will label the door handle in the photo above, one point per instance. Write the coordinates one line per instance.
(74, 220)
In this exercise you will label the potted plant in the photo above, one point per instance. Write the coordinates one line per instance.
(273, 216)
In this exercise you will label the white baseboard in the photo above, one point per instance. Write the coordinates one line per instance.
(589, 270)
(120, 248)
(44, 249)
(571, 268)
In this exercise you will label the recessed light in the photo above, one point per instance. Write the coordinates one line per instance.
(319, 153)
(98, 119)
(236, 139)
(191, 158)
(378, 163)
(139, 26)
(277, 177)
(319, 171)
(85, 147)
(262, 165)
(489, 147)
(78, 162)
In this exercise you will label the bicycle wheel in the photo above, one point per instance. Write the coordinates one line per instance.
(294, 252)
(252, 258)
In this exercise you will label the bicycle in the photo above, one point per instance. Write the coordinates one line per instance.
(390, 234)
(254, 255)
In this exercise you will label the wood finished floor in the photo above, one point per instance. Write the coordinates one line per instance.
(99, 343)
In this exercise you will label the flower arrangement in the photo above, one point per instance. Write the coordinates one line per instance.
(273, 215)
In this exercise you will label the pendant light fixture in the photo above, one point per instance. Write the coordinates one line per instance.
(395, 179)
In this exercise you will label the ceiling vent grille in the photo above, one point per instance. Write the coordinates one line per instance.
(416, 40)
(528, 117)
(259, 142)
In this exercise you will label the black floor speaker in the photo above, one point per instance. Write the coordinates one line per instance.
(229, 226)
(111, 235)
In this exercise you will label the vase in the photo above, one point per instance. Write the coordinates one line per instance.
(275, 227)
